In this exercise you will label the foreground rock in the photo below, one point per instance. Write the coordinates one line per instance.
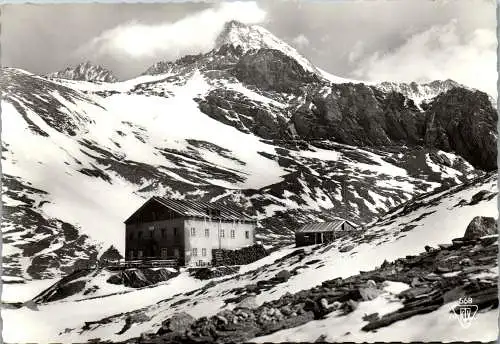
(177, 323)
(481, 226)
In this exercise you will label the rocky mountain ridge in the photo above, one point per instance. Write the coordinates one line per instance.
(85, 71)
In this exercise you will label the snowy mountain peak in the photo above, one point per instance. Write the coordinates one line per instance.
(250, 37)
(85, 71)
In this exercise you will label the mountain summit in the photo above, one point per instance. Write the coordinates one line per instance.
(86, 71)
(249, 37)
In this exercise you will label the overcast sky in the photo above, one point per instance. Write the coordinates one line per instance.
(405, 40)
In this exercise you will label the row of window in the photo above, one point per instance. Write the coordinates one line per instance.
(194, 252)
(164, 253)
(151, 233)
(221, 233)
(193, 233)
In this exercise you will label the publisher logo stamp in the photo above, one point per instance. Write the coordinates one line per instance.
(465, 311)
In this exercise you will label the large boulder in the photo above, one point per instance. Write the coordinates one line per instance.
(283, 275)
(481, 226)
(179, 323)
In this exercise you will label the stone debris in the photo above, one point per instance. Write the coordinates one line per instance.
(436, 276)
(369, 292)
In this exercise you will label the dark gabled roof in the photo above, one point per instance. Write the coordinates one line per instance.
(329, 226)
(188, 208)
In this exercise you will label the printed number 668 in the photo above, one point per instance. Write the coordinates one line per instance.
(464, 300)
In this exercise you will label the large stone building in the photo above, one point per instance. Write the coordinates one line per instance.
(323, 232)
(165, 228)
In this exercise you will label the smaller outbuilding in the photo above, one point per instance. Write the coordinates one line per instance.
(324, 232)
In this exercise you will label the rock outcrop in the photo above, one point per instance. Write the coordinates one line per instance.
(270, 69)
(138, 278)
(464, 121)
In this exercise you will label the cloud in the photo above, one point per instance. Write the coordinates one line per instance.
(300, 41)
(441, 52)
(357, 52)
(170, 40)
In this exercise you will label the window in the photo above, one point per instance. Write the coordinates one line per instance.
(194, 252)
(193, 231)
(204, 252)
(221, 233)
(131, 254)
(163, 232)
(139, 235)
(164, 252)
(247, 234)
(232, 234)
(176, 252)
(207, 232)
(175, 231)
(131, 235)
(151, 233)
(139, 254)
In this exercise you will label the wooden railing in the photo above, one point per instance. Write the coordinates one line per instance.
(143, 263)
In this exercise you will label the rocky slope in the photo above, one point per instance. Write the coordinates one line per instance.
(291, 147)
(429, 280)
(85, 72)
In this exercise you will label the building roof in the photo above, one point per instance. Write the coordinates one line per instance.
(188, 208)
(329, 226)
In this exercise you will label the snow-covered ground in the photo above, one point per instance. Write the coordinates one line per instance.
(21, 292)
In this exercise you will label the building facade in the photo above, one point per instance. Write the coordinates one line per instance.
(186, 230)
(324, 232)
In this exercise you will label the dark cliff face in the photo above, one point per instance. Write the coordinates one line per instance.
(270, 69)
(357, 114)
(464, 121)
(459, 120)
